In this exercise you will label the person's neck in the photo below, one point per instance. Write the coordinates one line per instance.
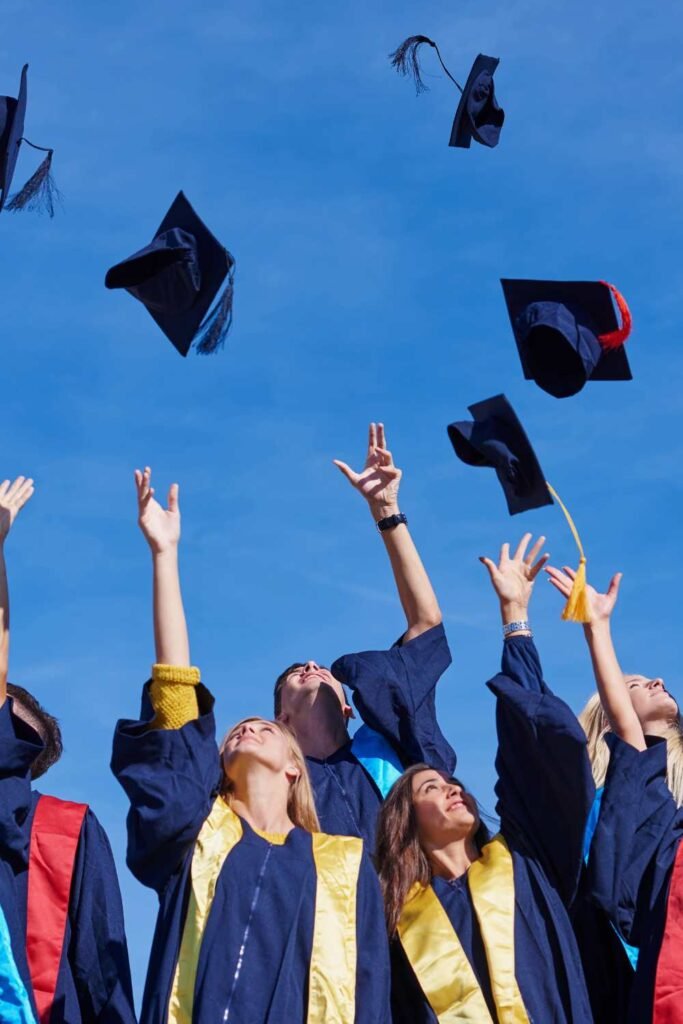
(659, 727)
(260, 797)
(452, 859)
(320, 727)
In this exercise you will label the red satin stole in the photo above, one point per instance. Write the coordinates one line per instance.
(668, 1003)
(55, 833)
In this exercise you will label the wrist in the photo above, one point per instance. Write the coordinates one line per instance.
(382, 510)
(513, 611)
(164, 552)
(597, 628)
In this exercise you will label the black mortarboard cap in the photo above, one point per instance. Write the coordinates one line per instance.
(568, 332)
(178, 276)
(495, 437)
(40, 191)
(478, 115)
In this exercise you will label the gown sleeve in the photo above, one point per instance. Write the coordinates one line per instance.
(372, 971)
(545, 787)
(170, 777)
(636, 837)
(20, 745)
(98, 953)
(394, 692)
(409, 1004)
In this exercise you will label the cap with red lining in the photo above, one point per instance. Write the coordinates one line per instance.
(568, 332)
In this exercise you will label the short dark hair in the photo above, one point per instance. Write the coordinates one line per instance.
(44, 724)
(280, 682)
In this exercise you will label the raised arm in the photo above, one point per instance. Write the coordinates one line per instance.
(13, 497)
(378, 483)
(609, 677)
(161, 529)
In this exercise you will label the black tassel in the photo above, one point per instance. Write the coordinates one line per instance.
(404, 59)
(214, 330)
(39, 193)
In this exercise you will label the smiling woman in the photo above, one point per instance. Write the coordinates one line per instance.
(262, 918)
(480, 926)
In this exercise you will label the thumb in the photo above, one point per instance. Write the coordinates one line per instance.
(173, 498)
(491, 567)
(347, 471)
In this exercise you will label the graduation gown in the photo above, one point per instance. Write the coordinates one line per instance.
(394, 694)
(254, 961)
(632, 857)
(93, 982)
(545, 791)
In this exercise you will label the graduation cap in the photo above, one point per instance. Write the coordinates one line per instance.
(178, 276)
(567, 332)
(478, 115)
(40, 191)
(496, 438)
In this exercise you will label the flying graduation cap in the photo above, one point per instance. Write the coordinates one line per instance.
(568, 332)
(40, 191)
(495, 437)
(478, 115)
(178, 277)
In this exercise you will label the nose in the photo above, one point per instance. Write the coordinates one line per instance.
(311, 666)
(454, 790)
(248, 727)
(656, 684)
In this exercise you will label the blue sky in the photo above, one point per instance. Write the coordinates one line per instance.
(368, 264)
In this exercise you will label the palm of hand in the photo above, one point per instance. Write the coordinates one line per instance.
(160, 526)
(378, 483)
(513, 582)
(601, 605)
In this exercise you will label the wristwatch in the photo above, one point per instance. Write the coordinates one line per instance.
(392, 521)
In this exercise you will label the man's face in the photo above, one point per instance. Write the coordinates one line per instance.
(302, 687)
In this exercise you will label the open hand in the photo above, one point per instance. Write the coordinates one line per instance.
(161, 526)
(13, 497)
(513, 578)
(601, 605)
(380, 478)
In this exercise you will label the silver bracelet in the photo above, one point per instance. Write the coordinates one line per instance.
(516, 627)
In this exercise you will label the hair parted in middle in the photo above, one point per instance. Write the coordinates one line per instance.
(400, 860)
(301, 802)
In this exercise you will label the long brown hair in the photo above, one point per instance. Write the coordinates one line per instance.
(401, 861)
(595, 724)
(300, 801)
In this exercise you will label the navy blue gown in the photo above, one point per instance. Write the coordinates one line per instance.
(255, 953)
(545, 791)
(94, 984)
(632, 856)
(394, 694)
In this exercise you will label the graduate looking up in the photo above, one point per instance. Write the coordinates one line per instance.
(480, 926)
(635, 826)
(263, 919)
(393, 690)
(65, 918)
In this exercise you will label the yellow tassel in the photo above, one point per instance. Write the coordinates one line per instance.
(576, 608)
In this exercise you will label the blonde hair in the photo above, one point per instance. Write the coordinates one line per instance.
(595, 724)
(300, 802)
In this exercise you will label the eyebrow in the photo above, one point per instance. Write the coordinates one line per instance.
(432, 779)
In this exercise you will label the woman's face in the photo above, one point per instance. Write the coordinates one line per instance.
(262, 741)
(444, 811)
(651, 701)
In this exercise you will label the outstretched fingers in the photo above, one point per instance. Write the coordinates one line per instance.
(521, 547)
(143, 486)
(172, 500)
(560, 580)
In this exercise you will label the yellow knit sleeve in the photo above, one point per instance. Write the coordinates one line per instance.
(173, 693)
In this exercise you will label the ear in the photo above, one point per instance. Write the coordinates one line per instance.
(292, 773)
(282, 717)
(349, 712)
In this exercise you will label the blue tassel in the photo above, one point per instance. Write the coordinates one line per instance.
(214, 330)
(39, 193)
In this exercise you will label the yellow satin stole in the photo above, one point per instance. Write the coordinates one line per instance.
(332, 972)
(436, 954)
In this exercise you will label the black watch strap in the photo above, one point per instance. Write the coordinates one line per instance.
(391, 521)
